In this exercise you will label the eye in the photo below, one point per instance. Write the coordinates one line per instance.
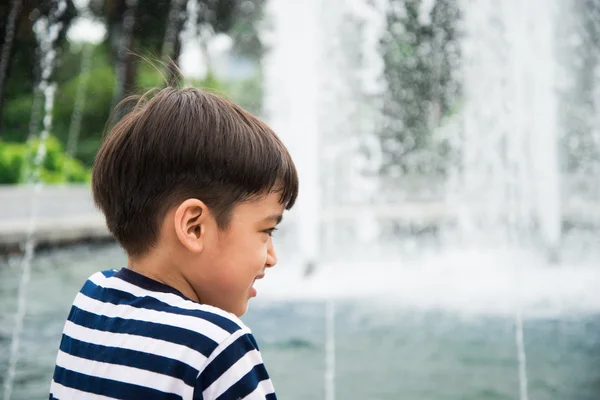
(270, 231)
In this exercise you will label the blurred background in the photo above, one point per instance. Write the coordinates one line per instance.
(445, 244)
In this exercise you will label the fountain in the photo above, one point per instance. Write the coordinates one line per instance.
(292, 109)
(311, 105)
(510, 142)
(292, 106)
(510, 169)
(46, 31)
(505, 191)
(343, 316)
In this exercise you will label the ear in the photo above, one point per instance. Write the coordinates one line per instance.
(190, 224)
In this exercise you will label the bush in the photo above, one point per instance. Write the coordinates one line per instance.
(17, 161)
(11, 162)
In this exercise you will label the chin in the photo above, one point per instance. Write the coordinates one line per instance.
(241, 310)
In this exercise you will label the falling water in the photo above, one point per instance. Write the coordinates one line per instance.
(510, 165)
(330, 350)
(356, 95)
(510, 146)
(326, 113)
(293, 76)
(46, 31)
(190, 29)
(37, 109)
(188, 36)
(521, 355)
(87, 50)
(196, 37)
(292, 106)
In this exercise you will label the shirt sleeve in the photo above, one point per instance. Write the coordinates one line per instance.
(235, 370)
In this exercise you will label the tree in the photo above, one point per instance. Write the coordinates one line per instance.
(23, 65)
(150, 23)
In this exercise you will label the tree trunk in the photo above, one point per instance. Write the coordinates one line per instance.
(171, 48)
(5, 56)
(122, 43)
(173, 71)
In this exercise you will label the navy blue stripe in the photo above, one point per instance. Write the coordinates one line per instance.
(198, 393)
(153, 330)
(109, 387)
(253, 341)
(271, 396)
(227, 358)
(246, 385)
(115, 296)
(130, 358)
(108, 273)
(143, 281)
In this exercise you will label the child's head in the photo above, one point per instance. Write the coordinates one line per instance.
(194, 180)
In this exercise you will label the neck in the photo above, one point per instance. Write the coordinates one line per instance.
(163, 269)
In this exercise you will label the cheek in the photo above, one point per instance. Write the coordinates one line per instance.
(255, 255)
(246, 250)
(248, 253)
(258, 252)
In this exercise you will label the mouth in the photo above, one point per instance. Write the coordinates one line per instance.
(253, 289)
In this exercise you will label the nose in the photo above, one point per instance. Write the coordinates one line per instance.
(271, 255)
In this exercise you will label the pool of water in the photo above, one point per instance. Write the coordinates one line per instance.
(391, 342)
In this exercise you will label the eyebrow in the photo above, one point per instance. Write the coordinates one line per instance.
(277, 218)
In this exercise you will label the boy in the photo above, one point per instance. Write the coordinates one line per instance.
(192, 187)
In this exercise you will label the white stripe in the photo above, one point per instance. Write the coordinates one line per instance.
(233, 374)
(61, 392)
(262, 390)
(125, 311)
(100, 275)
(215, 353)
(124, 374)
(225, 344)
(167, 298)
(144, 344)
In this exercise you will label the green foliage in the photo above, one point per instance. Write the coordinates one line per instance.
(211, 82)
(100, 98)
(11, 162)
(17, 114)
(96, 107)
(102, 82)
(95, 111)
(248, 93)
(17, 163)
(148, 77)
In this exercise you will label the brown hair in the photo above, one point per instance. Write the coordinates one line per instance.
(180, 144)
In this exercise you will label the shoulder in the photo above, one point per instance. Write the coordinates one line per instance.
(111, 289)
(235, 370)
(145, 333)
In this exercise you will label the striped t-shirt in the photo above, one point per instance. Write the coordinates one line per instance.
(130, 337)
